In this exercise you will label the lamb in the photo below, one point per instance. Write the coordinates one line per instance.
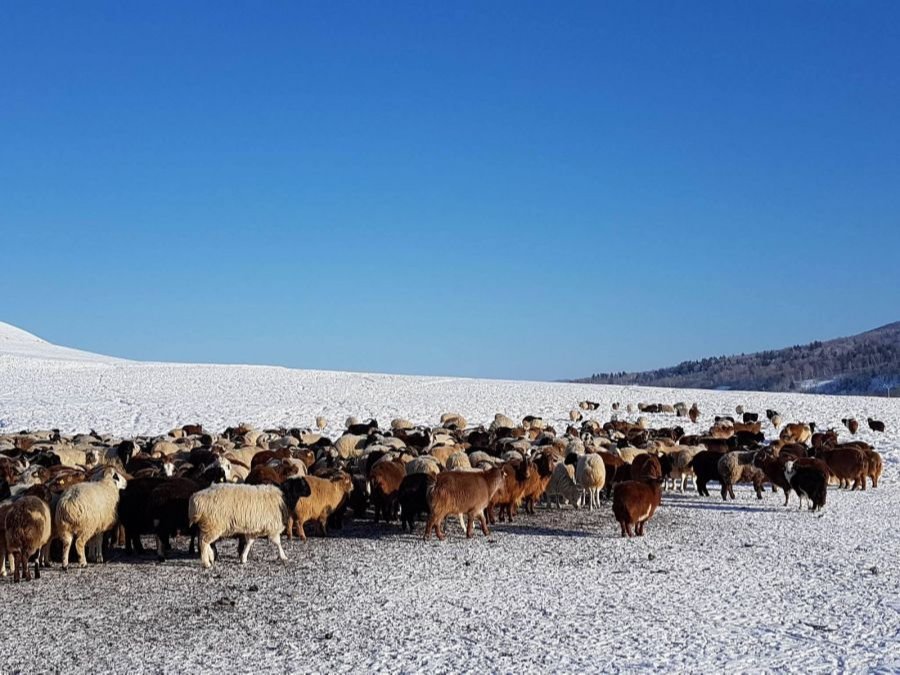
(326, 496)
(590, 474)
(28, 526)
(562, 486)
(85, 511)
(737, 466)
(461, 492)
(249, 511)
(808, 481)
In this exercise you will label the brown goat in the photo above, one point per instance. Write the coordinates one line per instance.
(539, 472)
(512, 488)
(461, 492)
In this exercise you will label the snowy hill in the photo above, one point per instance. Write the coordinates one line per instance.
(17, 342)
(868, 363)
(743, 586)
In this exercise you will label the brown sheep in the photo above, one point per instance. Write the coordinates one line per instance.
(846, 463)
(326, 496)
(385, 478)
(796, 433)
(851, 424)
(635, 502)
(694, 413)
(28, 525)
(461, 492)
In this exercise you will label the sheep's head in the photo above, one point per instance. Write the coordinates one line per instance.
(789, 470)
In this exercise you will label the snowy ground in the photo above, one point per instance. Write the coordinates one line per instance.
(745, 587)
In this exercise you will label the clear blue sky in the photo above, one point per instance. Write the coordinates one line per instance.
(503, 189)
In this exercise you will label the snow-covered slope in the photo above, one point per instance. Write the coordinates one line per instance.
(747, 586)
(17, 342)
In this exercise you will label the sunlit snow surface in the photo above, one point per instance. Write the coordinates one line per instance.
(744, 586)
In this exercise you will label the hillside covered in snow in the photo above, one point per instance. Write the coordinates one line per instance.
(868, 363)
(741, 586)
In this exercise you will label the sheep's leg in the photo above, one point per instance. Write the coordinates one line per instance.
(628, 528)
(787, 495)
(246, 552)
(276, 539)
(290, 528)
(160, 549)
(79, 549)
(462, 522)
(17, 574)
(66, 540)
(300, 527)
(439, 529)
(37, 566)
(484, 527)
(470, 530)
(206, 552)
(428, 525)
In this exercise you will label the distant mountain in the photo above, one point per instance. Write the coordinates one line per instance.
(868, 363)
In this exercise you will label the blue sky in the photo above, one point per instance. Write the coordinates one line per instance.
(499, 189)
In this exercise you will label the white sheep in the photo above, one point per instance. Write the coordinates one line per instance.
(480, 456)
(590, 474)
(501, 421)
(458, 460)
(85, 511)
(400, 424)
(349, 445)
(681, 458)
(454, 420)
(227, 510)
(562, 486)
(424, 464)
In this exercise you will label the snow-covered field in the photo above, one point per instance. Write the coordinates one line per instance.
(745, 586)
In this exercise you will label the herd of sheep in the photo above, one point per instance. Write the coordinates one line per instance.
(97, 491)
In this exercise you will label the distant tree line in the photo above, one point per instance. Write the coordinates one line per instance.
(868, 363)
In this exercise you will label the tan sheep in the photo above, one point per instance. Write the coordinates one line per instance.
(326, 496)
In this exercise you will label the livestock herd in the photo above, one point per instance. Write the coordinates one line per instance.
(98, 491)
